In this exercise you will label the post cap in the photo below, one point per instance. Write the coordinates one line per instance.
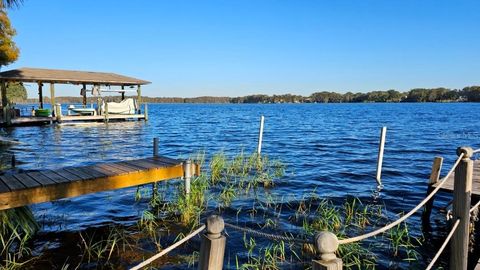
(326, 244)
(467, 151)
(215, 225)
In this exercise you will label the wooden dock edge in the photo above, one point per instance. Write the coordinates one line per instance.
(76, 188)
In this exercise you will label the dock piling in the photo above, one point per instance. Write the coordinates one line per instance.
(461, 209)
(106, 112)
(58, 112)
(260, 135)
(145, 112)
(212, 249)
(434, 177)
(381, 148)
(155, 147)
(326, 244)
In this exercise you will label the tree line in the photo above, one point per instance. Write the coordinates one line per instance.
(467, 94)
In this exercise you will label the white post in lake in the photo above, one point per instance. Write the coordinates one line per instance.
(187, 168)
(381, 148)
(260, 135)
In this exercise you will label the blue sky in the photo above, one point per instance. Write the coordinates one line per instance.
(234, 48)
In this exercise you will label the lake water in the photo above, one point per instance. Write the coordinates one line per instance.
(328, 148)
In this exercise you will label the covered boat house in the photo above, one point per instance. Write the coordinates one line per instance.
(92, 82)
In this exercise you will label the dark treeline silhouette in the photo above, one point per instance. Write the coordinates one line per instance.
(467, 94)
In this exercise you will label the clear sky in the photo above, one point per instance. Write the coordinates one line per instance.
(234, 48)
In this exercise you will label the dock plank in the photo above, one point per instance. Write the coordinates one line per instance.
(26, 180)
(53, 176)
(448, 186)
(42, 179)
(79, 173)
(3, 187)
(48, 185)
(11, 182)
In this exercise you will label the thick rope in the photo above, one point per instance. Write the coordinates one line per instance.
(439, 252)
(474, 207)
(403, 218)
(476, 151)
(269, 236)
(170, 248)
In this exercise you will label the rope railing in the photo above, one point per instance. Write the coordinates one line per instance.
(270, 236)
(474, 207)
(439, 252)
(170, 248)
(403, 218)
(476, 151)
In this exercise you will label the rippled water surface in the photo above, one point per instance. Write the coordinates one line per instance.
(329, 148)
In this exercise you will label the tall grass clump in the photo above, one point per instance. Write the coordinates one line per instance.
(17, 227)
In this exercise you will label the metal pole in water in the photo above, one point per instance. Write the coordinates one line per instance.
(260, 135)
(381, 148)
(188, 175)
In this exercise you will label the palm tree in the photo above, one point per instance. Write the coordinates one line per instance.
(10, 3)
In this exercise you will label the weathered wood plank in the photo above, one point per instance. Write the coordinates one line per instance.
(3, 187)
(123, 167)
(71, 177)
(111, 169)
(82, 175)
(90, 171)
(142, 163)
(55, 177)
(102, 170)
(26, 180)
(164, 160)
(42, 179)
(448, 186)
(118, 169)
(11, 182)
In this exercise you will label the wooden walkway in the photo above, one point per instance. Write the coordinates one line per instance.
(25, 121)
(42, 186)
(448, 186)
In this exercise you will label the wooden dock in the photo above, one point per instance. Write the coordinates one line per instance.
(448, 186)
(31, 120)
(26, 188)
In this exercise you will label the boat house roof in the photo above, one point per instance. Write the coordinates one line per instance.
(68, 77)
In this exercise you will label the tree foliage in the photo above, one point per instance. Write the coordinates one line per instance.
(8, 50)
(16, 92)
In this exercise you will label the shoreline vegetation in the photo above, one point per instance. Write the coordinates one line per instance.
(467, 94)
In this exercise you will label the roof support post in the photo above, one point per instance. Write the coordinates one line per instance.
(52, 97)
(84, 94)
(4, 93)
(123, 92)
(40, 94)
(139, 98)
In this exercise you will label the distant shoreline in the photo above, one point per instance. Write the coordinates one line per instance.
(438, 95)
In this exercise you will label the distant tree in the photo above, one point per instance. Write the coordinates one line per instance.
(16, 92)
(8, 50)
(471, 93)
(4, 4)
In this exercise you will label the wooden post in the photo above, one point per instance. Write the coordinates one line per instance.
(145, 112)
(8, 114)
(84, 92)
(381, 148)
(52, 97)
(260, 135)
(212, 249)
(106, 112)
(155, 147)
(40, 94)
(4, 94)
(434, 177)
(187, 168)
(461, 210)
(14, 162)
(326, 244)
(123, 92)
(58, 112)
(139, 98)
